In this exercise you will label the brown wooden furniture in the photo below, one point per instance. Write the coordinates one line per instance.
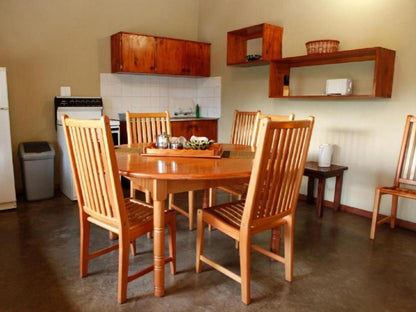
(164, 175)
(313, 171)
(144, 128)
(244, 127)
(137, 53)
(101, 202)
(237, 40)
(197, 127)
(241, 190)
(404, 180)
(271, 200)
(244, 130)
(382, 77)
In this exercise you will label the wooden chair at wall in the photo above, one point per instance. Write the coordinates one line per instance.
(100, 199)
(240, 190)
(404, 181)
(243, 132)
(144, 128)
(271, 200)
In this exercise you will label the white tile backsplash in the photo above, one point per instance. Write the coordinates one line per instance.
(151, 93)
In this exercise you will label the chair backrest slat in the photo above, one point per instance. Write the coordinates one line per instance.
(145, 127)
(244, 127)
(277, 170)
(406, 166)
(94, 169)
(272, 118)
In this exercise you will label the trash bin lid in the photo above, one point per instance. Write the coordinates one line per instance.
(36, 147)
(36, 150)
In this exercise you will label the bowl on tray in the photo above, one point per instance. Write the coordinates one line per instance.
(198, 143)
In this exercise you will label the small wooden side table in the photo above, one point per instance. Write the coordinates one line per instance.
(312, 171)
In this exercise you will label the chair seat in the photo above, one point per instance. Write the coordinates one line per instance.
(140, 215)
(236, 189)
(230, 213)
(400, 191)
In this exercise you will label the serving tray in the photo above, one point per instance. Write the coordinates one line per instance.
(214, 151)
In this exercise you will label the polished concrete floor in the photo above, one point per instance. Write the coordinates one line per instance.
(336, 267)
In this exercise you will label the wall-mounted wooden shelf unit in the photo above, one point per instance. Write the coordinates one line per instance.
(382, 77)
(271, 44)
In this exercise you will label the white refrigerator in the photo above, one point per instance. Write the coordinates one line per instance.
(7, 188)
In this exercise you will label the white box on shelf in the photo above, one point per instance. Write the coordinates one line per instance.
(338, 87)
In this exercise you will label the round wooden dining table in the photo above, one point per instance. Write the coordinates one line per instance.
(161, 175)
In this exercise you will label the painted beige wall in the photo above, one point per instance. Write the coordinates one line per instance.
(367, 133)
(46, 44)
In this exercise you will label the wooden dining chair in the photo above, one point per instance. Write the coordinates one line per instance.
(240, 190)
(100, 199)
(271, 200)
(243, 132)
(145, 128)
(404, 181)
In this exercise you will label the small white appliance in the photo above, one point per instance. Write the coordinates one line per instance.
(74, 107)
(325, 155)
(338, 87)
(7, 188)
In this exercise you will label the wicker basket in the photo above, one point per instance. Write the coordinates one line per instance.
(322, 46)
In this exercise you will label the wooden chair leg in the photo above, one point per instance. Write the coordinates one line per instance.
(191, 209)
(393, 211)
(172, 244)
(123, 269)
(147, 197)
(288, 241)
(375, 214)
(170, 201)
(133, 249)
(275, 238)
(245, 269)
(85, 246)
(212, 197)
(199, 240)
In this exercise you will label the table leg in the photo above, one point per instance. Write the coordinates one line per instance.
(338, 188)
(311, 187)
(159, 247)
(320, 197)
(159, 196)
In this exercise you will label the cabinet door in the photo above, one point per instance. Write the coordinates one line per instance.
(133, 53)
(197, 59)
(169, 56)
(207, 128)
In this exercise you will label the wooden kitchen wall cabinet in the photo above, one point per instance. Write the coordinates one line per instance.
(136, 53)
(132, 53)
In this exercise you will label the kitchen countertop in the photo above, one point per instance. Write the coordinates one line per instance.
(173, 119)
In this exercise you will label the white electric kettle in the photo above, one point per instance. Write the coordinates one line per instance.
(325, 155)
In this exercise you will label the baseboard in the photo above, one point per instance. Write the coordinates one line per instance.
(364, 213)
